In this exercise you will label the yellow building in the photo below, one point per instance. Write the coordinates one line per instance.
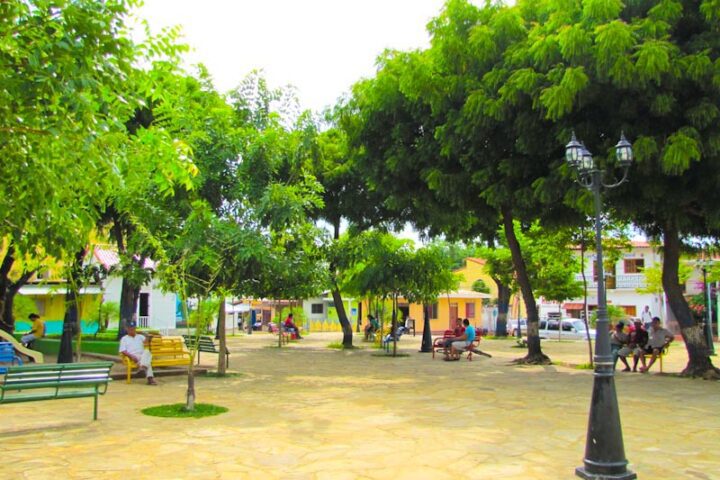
(462, 303)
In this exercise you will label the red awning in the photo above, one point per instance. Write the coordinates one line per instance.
(573, 306)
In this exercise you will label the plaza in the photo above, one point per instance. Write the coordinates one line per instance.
(309, 412)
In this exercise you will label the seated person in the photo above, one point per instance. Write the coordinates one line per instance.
(618, 338)
(36, 331)
(371, 327)
(399, 331)
(659, 339)
(458, 331)
(459, 344)
(290, 326)
(636, 341)
(133, 346)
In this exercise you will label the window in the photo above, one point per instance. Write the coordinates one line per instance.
(316, 308)
(434, 310)
(634, 265)
(469, 310)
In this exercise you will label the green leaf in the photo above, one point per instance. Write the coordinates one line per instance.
(653, 60)
(612, 40)
(601, 11)
(575, 42)
(680, 150)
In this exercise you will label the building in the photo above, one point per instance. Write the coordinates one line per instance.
(625, 285)
(156, 309)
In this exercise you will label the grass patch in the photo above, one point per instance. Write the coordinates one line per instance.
(177, 410)
(584, 366)
(496, 337)
(390, 355)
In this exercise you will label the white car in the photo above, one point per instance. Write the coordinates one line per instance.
(572, 329)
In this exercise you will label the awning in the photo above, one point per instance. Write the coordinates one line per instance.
(573, 306)
(57, 290)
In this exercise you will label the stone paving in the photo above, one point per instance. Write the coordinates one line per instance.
(309, 412)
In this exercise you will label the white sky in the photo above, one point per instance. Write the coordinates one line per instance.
(321, 47)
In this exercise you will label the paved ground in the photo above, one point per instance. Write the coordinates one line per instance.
(310, 412)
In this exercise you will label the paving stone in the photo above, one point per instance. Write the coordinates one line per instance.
(307, 412)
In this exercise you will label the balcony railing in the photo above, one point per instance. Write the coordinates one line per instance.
(624, 281)
(143, 321)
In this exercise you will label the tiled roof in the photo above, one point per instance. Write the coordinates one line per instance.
(109, 258)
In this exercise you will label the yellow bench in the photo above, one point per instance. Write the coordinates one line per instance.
(166, 352)
(663, 352)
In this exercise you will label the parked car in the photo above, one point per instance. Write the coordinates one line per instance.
(512, 326)
(572, 329)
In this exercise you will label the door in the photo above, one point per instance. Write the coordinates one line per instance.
(144, 309)
(453, 315)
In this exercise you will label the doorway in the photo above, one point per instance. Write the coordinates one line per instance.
(453, 315)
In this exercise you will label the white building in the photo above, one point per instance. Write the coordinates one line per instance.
(622, 283)
(156, 309)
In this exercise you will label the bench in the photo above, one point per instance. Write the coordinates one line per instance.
(439, 344)
(166, 352)
(7, 355)
(284, 336)
(54, 382)
(204, 344)
(659, 360)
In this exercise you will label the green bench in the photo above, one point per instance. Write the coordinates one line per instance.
(205, 344)
(52, 382)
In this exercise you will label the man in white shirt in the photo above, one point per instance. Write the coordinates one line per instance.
(133, 346)
(646, 317)
(659, 339)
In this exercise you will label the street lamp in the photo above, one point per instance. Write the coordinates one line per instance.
(604, 449)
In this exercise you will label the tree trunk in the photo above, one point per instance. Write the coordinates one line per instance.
(8, 318)
(129, 296)
(221, 337)
(699, 364)
(503, 308)
(427, 333)
(393, 329)
(7, 321)
(71, 321)
(342, 317)
(337, 298)
(535, 355)
(190, 396)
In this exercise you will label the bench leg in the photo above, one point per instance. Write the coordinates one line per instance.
(129, 372)
(95, 407)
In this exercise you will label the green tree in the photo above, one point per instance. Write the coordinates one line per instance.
(64, 100)
(657, 61)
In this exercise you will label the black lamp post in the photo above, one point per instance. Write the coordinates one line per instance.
(604, 449)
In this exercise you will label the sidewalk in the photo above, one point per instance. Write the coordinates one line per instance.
(309, 412)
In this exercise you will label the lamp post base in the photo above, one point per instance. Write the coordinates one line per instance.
(582, 473)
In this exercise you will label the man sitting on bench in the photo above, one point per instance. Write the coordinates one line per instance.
(659, 339)
(133, 346)
(459, 344)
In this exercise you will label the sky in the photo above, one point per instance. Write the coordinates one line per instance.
(321, 47)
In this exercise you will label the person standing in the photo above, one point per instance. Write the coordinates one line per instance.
(37, 330)
(646, 317)
(133, 346)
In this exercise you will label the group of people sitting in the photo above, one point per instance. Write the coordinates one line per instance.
(639, 342)
(463, 335)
